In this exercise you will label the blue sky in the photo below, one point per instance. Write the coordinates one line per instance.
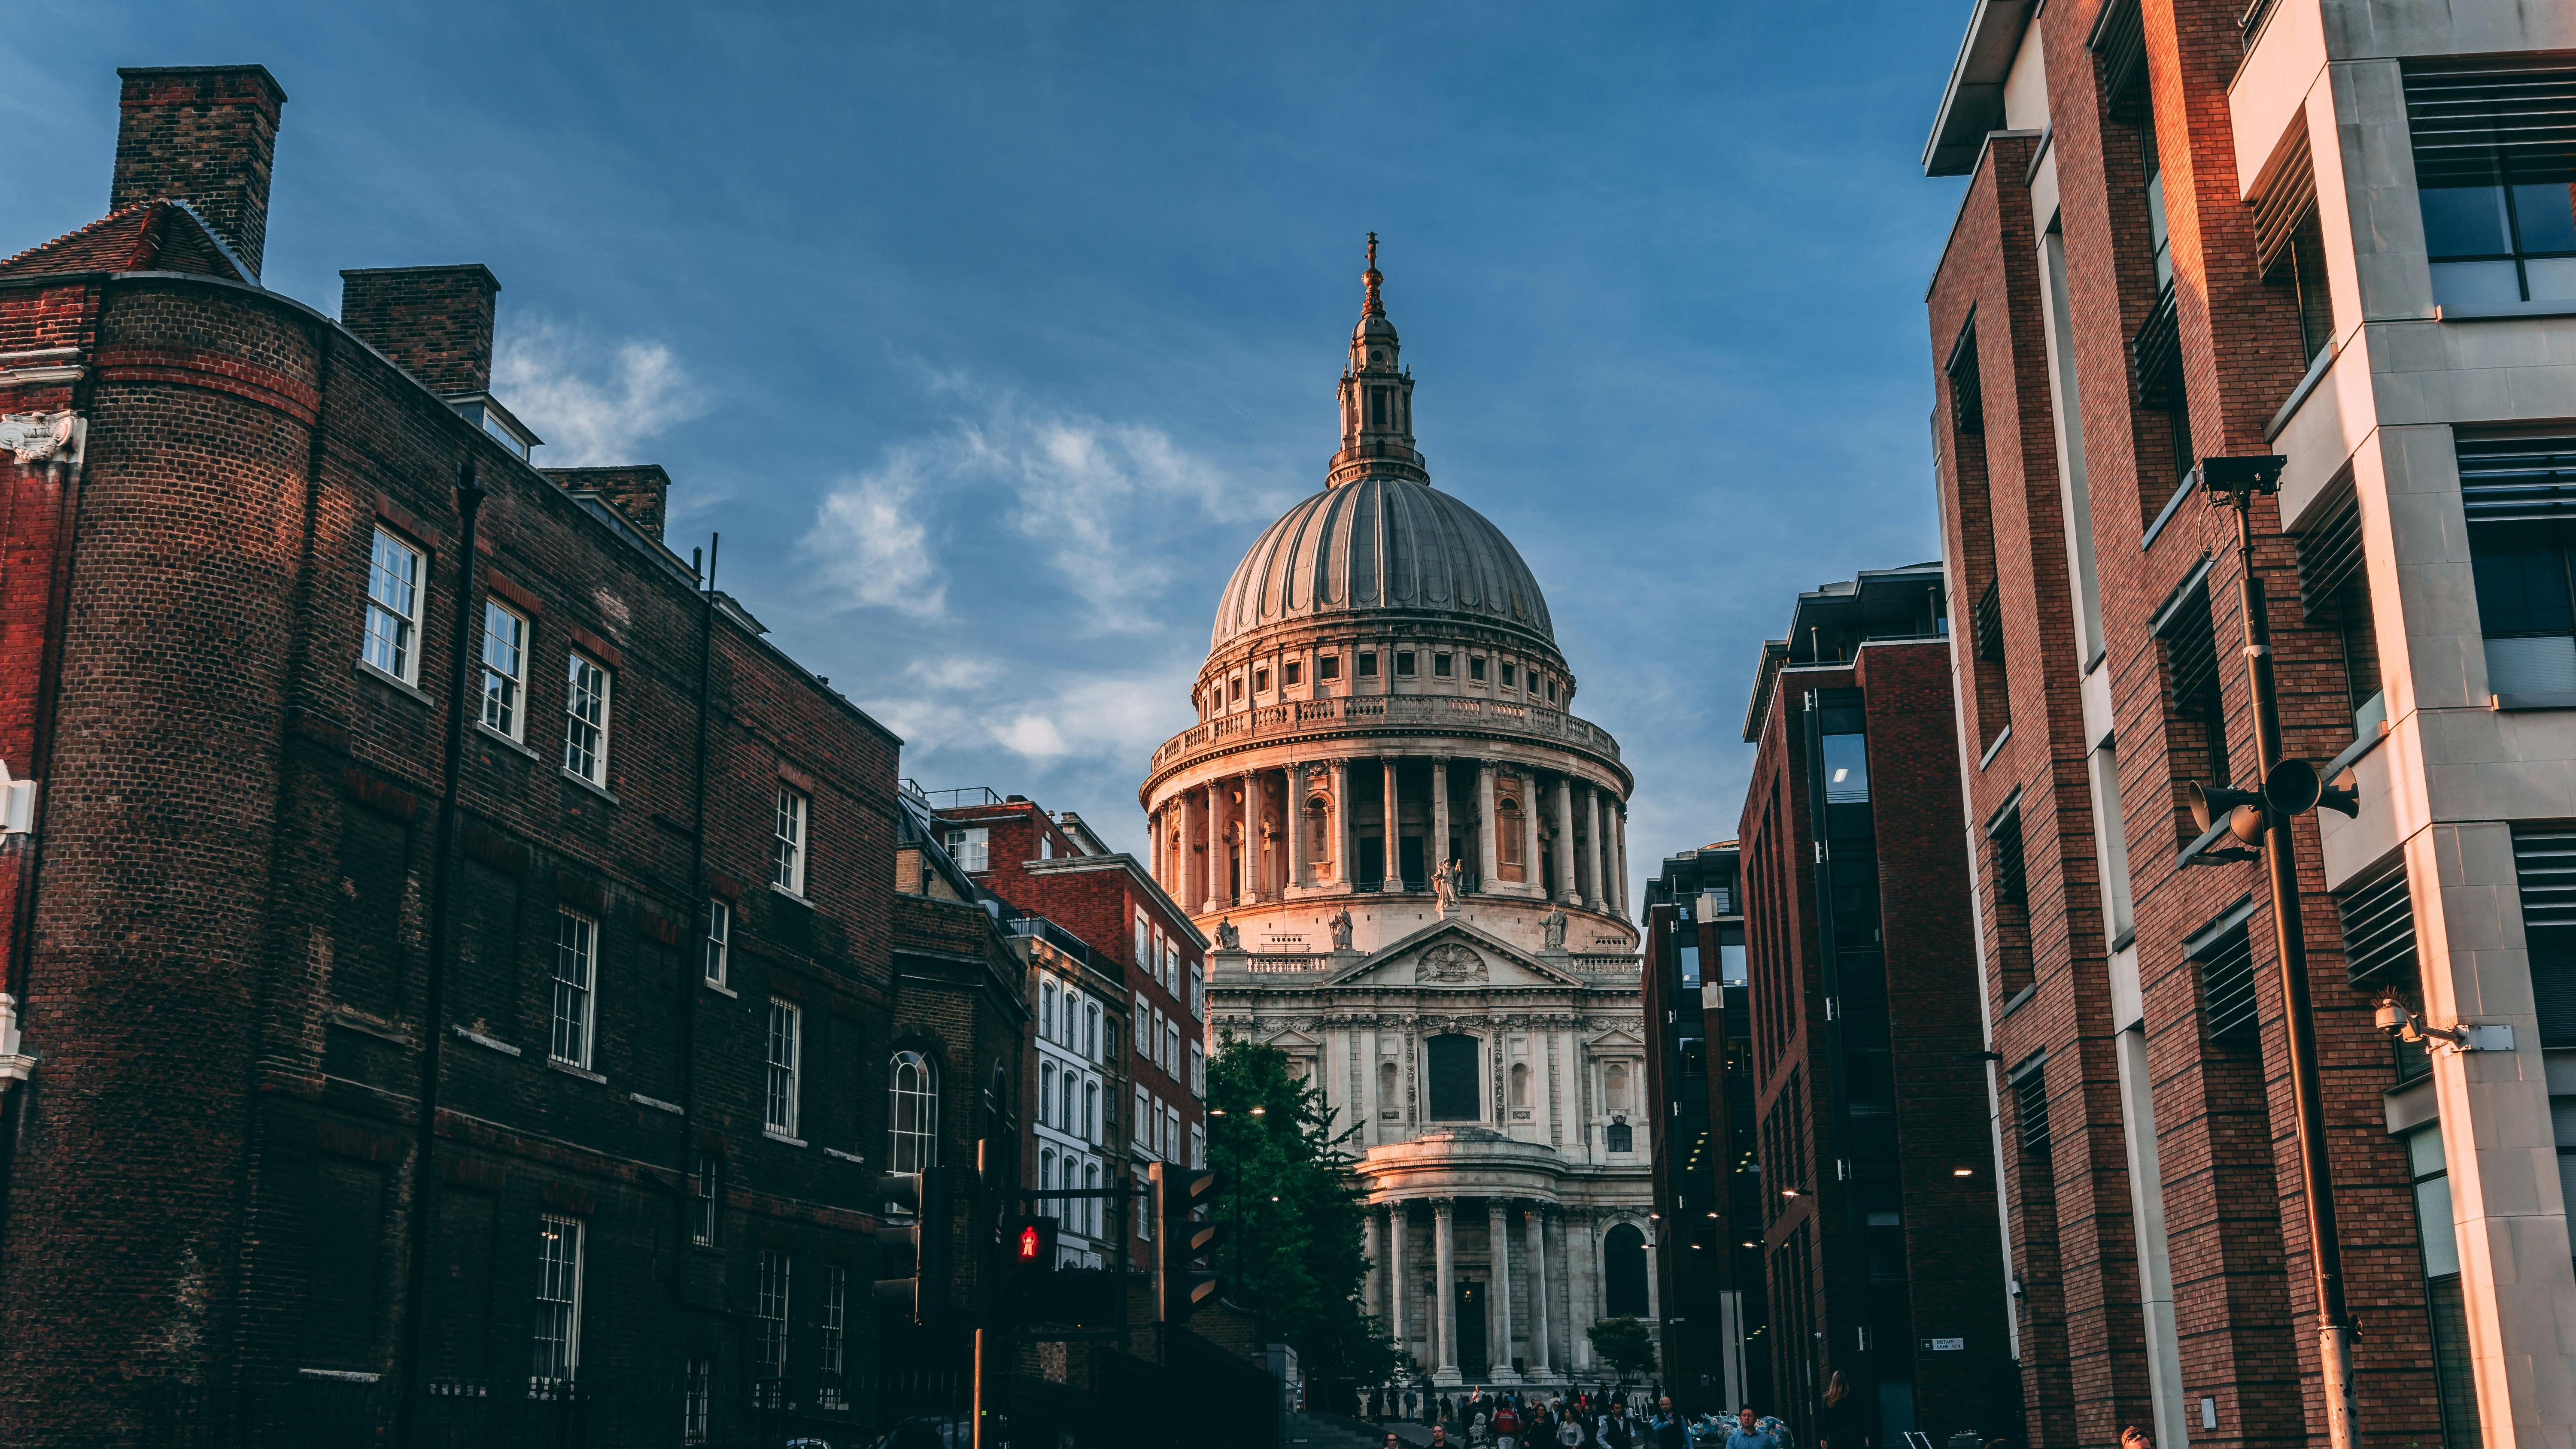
(990, 336)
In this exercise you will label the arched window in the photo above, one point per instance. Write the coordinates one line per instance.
(1319, 836)
(1520, 1084)
(913, 1114)
(1387, 1086)
(1511, 839)
(1046, 1178)
(1046, 1093)
(1614, 1086)
(1451, 1067)
(1623, 1267)
(1090, 1207)
(1619, 1137)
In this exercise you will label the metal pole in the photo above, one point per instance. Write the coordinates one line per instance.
(424, 1178)
(2298, 1018)
(974, 1236)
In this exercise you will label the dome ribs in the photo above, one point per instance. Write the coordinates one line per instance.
(1380, 544)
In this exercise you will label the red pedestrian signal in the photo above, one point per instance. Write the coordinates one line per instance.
(1032, 1242)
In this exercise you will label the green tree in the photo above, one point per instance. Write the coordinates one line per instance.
(1625, 1345)
(1293, 1211)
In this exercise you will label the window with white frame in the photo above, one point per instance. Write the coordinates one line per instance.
(786, 1027)
(971, 848)
(1172, 1134)
(1198, 993)
(576, 987)
(719, 944)
(1171, 1046)
(1154, 1042)
(1090, 1110)
(1144, 938)
(1090, 1207)
(705, 1195)
(1091, 1031)
(1198, 1144)
(697, 1400)
(393, 608)
(1142, 1128)
(1198, 1070)
(505, 670)
(1144, 1028)
(1046, 1093)
(586, 721)
(912, 1116)
(836, 1311)
(769, 1345)
(1046, 1007)
(558, 1327)
(787, 848)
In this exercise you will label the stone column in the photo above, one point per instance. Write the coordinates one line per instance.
(1540, 1365)
(1393, 879)
(1292, 819)
(1485, 861)
(1395, 1279)
(1439, 841)
(1654, 1292)
(1529, 833)
(1376, 1277)
(1445, 1312)
(1563, 885)
(1582, 1274)
(1256, 870)
(1217, 898)
(1596, 891)
(1342, 822)
(1619, 852)
(1498, 1232)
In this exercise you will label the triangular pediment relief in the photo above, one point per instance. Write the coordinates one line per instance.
(1291, 1040)
(1452, 954)
(1617, 1038)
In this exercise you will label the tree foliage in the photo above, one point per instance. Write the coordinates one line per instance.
(1293, 1212)
(1625, 1345)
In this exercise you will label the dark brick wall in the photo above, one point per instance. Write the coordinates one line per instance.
(434, 322)
(205, 135)
(642, 492)
(227, 932)
(2229, 1160)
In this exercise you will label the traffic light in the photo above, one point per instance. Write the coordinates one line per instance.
(1185, 1256)
(1028, 1269)
(913, 1247)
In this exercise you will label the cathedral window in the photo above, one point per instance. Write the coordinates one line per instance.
(1292, 673)
(1520, 1085)
(1440, 666)
(1511, 675)
(1404, 663)
(1237, 683)
(1329, 667)
(1261, 681)
(1368, 664)
(1450, 1067)
(1513, 838)
(1377, 407)
(1614, 1086)
(1476, 668)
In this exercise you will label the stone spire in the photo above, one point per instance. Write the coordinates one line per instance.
(1377, 395)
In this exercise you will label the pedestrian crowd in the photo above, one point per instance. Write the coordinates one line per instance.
(1613, 1419)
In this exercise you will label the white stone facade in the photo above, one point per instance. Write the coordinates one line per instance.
(1413, 860)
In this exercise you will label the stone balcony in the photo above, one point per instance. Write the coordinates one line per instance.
(1371, 713)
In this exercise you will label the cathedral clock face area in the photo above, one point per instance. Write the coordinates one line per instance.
(1412, 855)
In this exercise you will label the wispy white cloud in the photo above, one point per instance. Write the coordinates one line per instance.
(871, 544)
(592, 402)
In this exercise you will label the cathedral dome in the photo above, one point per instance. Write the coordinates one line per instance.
(1380, 543)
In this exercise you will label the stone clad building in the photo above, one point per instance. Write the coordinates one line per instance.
(1412, 858)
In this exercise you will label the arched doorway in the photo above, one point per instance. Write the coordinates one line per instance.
(1623, 1272)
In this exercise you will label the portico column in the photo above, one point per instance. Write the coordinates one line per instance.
(1216, 882)
(1498, 1232)
(1540, 1364)
(1439, 850)
(1255, 872)
(1369, 1248)
(1392, 879)
(1342, 822)
(1581, 1308)
(1618, 813)
(1529, 833)
(1485, 825)
(1654, 1291)
(1395, 1280)
(1445, 1312)
(1564, 882)
(1292, 819)
(1595, 890)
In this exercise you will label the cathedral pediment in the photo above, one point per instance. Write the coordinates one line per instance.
(1452, 955)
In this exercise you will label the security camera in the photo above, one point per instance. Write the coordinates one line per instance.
(2400, 1021)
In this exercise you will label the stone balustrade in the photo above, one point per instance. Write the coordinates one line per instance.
(1381, 711)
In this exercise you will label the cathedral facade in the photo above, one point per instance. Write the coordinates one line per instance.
(1412, 856)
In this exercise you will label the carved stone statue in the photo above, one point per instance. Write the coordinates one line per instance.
(1341, 924)
(1554, 925)
(1230, 938)
(1444, 881)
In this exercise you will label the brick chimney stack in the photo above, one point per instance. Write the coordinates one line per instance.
(641, 491)
(435, 322)
(205, 135)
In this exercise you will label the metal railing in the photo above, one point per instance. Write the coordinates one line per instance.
(1374, 711)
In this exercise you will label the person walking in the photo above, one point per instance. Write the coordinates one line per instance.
(1670, 1433)
(1569, 1429)
(1745, 1436)
(1845, 1425)
(1507, 1425)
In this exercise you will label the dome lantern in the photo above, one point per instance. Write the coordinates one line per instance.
(1377, 395)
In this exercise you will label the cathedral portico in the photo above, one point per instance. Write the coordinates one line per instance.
(1411, 854)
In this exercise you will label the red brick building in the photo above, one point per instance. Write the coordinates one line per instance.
(1138, 944)
(651, 982)
(1877, 1166)
(2334, 234)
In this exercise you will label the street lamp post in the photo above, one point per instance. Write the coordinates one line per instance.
(2233, 482)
